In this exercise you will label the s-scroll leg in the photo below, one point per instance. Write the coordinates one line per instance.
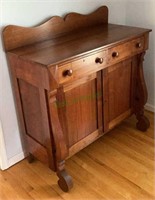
(141, 96)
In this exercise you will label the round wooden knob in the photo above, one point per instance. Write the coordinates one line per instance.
(139, 45)
(68, 72)
(99, 60)
(115, 54)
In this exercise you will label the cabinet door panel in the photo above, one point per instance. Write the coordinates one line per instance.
(81, 111)
(119, 89)
(77, 103)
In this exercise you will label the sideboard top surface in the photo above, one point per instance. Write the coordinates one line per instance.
(55, 48)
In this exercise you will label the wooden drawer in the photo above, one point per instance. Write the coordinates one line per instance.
(98, 61)
(81, 67)
(122, 51)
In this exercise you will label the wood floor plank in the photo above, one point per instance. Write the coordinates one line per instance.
(131, 153)
(15, 184)
(90, 181)
(111, 182)
(40, 189)
(118, 166)
(77, 192)
(129, 168)
(133, 143)
(8, 192)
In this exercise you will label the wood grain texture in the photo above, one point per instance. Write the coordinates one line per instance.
(32, 102)
(58, 135)
(81, 110)
(37, 150)
(141, 96)
(32, 73)
(81, 144)
(32, 111)
(117, 120)
(75, 79)
(48, 53)
(119, 88)
(53, 28)
(120, 165)
(105, 88)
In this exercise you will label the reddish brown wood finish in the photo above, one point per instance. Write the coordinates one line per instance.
(81, 110)
(53, 28)
(119, 88)
(74, 80)
(141, 96)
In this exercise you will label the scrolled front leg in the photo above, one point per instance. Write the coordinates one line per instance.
(65, 180)
(141, 96)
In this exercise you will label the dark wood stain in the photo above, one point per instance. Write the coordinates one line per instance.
(75, 79)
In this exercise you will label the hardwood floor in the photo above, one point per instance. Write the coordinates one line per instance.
(120, 165)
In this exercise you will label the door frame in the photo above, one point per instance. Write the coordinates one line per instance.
(3, 155)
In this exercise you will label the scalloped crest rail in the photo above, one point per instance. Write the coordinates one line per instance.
(54, 27)
(74, 80)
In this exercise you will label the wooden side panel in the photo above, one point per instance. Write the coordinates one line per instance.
(37, 150)
(33, 73)
(32, 110)
(30, 81)
(119, 88)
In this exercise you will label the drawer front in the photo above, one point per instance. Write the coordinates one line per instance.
(126, 50)
(98, 61)
(82, 67)
(65, 73)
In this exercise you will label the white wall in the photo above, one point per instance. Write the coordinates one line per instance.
(30, 13)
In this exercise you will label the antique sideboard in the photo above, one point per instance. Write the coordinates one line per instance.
(75, 79)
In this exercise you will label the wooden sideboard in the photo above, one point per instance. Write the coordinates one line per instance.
(75, 79)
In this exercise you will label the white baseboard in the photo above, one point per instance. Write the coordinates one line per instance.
(12, 161)
(150, 107)
(15, 159)
(5, 163)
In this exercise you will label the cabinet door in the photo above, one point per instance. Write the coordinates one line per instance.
(118, 83)
(79, 106)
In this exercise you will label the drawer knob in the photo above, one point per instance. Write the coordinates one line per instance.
(99, 60)
(139, 45)
(68, 72)
(115, 54)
